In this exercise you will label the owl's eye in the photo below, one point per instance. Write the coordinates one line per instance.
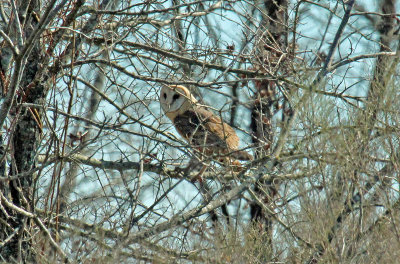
(176, 96)
(165, 95)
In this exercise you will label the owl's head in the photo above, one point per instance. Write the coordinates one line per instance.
(175, 99)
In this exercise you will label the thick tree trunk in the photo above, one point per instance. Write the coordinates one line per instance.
(271, 46)
(15, 230)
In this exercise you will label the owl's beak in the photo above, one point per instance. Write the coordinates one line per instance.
(167, 108)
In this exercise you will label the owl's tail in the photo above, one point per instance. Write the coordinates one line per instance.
(242, 155)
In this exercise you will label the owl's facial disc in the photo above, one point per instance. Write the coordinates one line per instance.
(171, 100)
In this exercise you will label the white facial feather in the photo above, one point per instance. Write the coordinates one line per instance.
(171, 100)
(175, 99)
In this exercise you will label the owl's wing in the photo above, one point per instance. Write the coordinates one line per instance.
(203, 129)
(226, 132)
(222, 130)
(206, 131)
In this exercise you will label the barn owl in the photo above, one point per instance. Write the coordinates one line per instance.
(200, 127)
